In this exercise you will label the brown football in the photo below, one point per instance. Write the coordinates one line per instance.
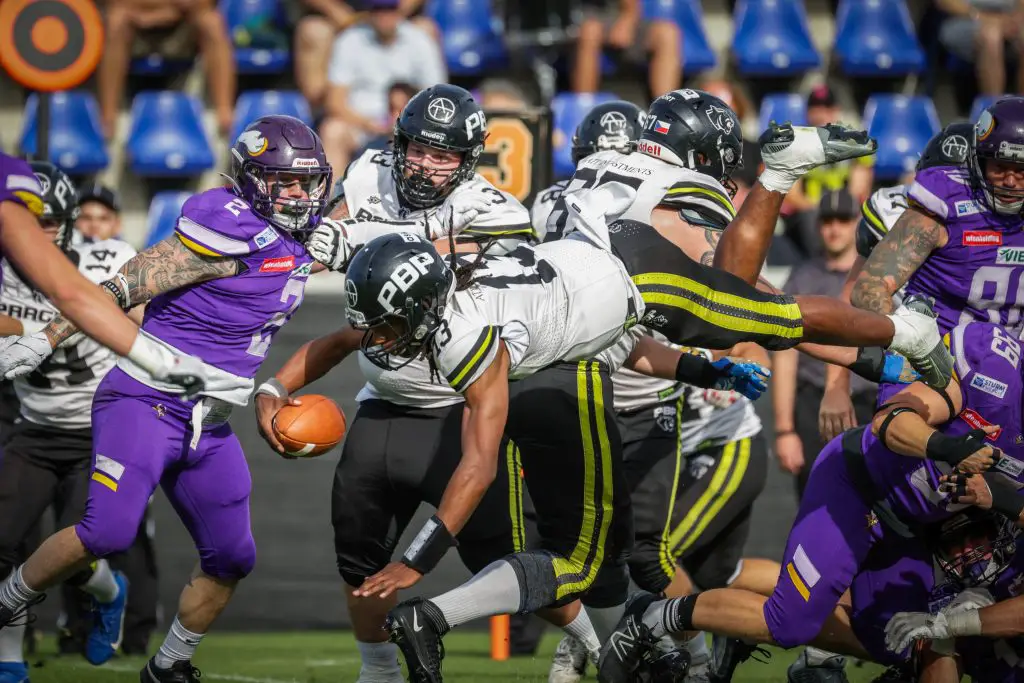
(310, 429)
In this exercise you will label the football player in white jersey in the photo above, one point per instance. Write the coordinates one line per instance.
(47, 456)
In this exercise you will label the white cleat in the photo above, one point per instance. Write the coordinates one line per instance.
(791, 151)
(570, 661)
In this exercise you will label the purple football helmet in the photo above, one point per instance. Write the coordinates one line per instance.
(999, 137)
(279, 166)
(974, 547)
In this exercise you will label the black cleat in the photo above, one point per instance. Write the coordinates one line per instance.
(727, 654)
(180, 672)
(630, 644)
(419, 641)
(664, 667)
(20, 616)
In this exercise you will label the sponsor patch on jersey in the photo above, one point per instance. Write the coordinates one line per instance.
(268, 236)
(989, 385)
(660, 126)
(648, 147)
(981, 238)
(1010, 256)
(304, 269)
(976, 421)
(1010, 466)
(967, 207)
(281, 264)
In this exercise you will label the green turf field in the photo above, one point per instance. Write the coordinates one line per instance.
(331, 657)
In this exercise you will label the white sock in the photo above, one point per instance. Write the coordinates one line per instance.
(495, 590)
(817, 656)
(380, 661)
(14, 594)
(698, 649)
(179, 646)
(656, 616)
(101, 585)
(605, 619)
(11, 639)
(582, 630)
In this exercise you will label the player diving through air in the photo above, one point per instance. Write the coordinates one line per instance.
(219, 288)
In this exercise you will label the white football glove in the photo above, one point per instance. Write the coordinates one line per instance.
(791, 151)
(906, 627)
(329, 245)
(187, 372)
(917, 338)
(460, 211)
(24, 354)
(969, 598)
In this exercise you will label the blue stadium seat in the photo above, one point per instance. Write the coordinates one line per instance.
(253, 104)
(164, 210)
(471, 35)
(167, 138)
(981, 102)
(244, 17)
(156, 64)
(76, 140)
(877, 38)
(568, 109)
(697, 52)
(902, 125)
(773, 38)
(782, 107)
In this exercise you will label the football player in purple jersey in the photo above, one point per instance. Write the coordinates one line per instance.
(219, 289)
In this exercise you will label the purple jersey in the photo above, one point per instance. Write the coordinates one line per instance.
(987, 365)
(978, 274)
(230, 322)
(19, 184)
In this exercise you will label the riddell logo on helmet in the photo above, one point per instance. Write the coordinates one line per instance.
(648, 147)
(976, 421)
(981, 238)
(281, 264)
(305, 163)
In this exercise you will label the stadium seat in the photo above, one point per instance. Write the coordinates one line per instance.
(470, 35)
(773, 38)
(167, 138)
(259, 48)
(782, 107)
(156, 64)
(697, 52)
(76, 140)
(981, 102)
(877, 38)
(902, 125)
(164, 210)
(568, 109)
(253, 104)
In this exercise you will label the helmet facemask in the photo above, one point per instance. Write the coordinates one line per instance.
(974, 550)
(272, 202)
(415, 181)
(407, 332)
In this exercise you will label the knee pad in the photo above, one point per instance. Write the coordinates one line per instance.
(236, 562)
(537, 586)
(106, 538)
(610, 588)
(646, 569)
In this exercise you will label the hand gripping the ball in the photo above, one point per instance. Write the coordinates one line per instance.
(267, 407)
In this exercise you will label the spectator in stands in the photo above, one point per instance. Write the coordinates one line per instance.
(365, 60)
(499, 94)
(398, 96)
(413, 11)
(149, 19)
(799, 380)
(315, 30)
(856, 175)
(99, 217)
(618, 26)
(978, 31)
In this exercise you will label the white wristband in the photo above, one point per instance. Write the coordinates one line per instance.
(151, 357)
(272, 387)
(966, 623)
(777, 181)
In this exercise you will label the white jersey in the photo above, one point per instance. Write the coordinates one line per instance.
(561, 301)
(878, 215)
(543, 204)
(370, 194)
(705, 425)
(59, 393)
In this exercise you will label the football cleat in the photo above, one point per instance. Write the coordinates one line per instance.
(180, 672)
(108, 625)
(727, 654)
(798, 149)
(570, 661)
(412, 632)
(630, 644)
(917, 339)
(13, 672)
(832, 670)
(20, 616)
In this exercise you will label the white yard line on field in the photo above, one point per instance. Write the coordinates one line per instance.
(233, 678)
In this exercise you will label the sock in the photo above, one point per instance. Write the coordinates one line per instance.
(605, 619)
(666, 617)
(179, 646)
(582, 630)
(495, 590)
(14, 594)
(380, 660)
(698, 649)
(11, 640)
(101, 585)
(817, 656)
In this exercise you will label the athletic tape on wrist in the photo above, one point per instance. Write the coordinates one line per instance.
(1006, 500)
(966, 623)
(429, 546)
(951, 450)
(273, 387)
(696, 371)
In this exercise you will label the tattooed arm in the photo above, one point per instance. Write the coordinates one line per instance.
(900, 253)
(163, 267)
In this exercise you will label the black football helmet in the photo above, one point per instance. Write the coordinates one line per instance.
(444, 117)
(611, 125)
(397, 286)
(696, 130)
(975, 546)
(60, 201)
(947, 148)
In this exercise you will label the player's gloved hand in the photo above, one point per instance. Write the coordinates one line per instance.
(791, 151)
(719, 398)
(743, 376)
(187, 372)
(916, 337)
(459, 212)
(906, 627)
(24, 354)
(970, 598)
(329, 245)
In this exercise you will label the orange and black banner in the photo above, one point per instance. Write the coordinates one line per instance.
(517, 154)
(50, 45)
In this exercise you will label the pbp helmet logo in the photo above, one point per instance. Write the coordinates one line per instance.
(614, 123)
(441, 110)
(955, 147)
(351, 294)
(255, 143)
(720, 119)
(44, 183)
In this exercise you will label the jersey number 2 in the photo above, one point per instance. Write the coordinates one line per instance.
(293, 289)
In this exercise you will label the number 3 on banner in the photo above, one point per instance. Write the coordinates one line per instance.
(511, 140)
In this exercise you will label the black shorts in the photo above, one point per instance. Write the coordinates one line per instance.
(395, 458)
(561, 419)
(693, 508)
(694, 304)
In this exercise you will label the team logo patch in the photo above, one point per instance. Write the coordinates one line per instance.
(720, 119)
(665, 418)
(967, 207)
(983, 128)
(1010, 256)
(351, 294)
(44, 182)
(255, 143)
(976, 421)
(989, 385)
(441, 110)
(614, 123)
(281, 264)
(268, 236)
(981, 238)
(955, 148)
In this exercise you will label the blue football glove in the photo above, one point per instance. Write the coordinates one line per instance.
(896, 370)
(746, 377)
